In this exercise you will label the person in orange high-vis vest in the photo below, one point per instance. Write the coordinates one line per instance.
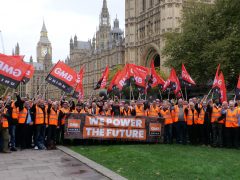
(153, 110)
(4, 128)
(139, 108)
(191, 115)
(125, 111)
(179, 119)
(231, 125)
(217, 126)
(52, 116)
(168, 121)
(61, 120)
(40, 123)
(79, 109)
(94, 110)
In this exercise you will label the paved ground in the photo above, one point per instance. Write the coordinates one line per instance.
(51, 165)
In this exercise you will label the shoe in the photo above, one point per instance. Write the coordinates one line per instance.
(13, 149)
(6, 151)
(35, 148)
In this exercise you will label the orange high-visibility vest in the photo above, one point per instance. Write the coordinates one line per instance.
(153, 112)
(216, 113)
(65, 111)
(190, 117)
(140, 111)
(231, 119)
(81, 112)
(39, 119)
(176, 113)
(14, 111)
(201, 117)
(53, 117)
(22, 116)
(167, 116)
(4, 119)
(126, 113)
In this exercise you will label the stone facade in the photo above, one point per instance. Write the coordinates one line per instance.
(106, 48)
(146, 22)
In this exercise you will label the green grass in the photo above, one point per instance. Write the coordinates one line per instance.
(165, 161)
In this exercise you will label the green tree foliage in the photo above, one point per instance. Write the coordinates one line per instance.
(210, 36)
(114, 71)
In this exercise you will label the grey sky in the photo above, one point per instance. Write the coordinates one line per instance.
(21, 21)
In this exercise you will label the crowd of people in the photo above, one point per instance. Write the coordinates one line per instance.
(40, 124)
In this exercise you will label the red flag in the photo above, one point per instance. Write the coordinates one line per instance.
(29, 74)
(121, 78)
(79, 91)
(12, 71)
(238, 89)
(172, 82)
(216, 78)
(139, 73)
(63, 77)
(103, 81)
(157, 80)
(186, 77)
(113, 83)
(222, 87)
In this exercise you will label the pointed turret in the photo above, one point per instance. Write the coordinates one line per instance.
(17, 50)
(44, 34)
(71, 43)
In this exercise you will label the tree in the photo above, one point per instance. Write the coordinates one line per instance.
(210, 36)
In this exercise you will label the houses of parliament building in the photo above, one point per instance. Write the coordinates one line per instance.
(146, 22)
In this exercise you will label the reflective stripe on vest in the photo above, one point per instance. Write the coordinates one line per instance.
(153, 112)
(14, 111)
(65, 111)
(39, 116)
(231, 118)
(53, 118)
(190, 117)
(22, 116)
(176, 113)
(216, 113)
(167, 116)
(201, 117)
(140, 111)
(4, 120)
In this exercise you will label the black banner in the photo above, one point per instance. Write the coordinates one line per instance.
(9, 82)
(84, 126)
(59, 83)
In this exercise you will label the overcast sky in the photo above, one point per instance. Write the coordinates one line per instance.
(21, 21)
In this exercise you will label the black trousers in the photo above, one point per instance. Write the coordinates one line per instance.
(192, 133)
(51, 135)
(181, 132)
(207, 133)
(217, 134)
(22, 133)
(231, 137)
(60, 134)
(168, 133)
(200, 134)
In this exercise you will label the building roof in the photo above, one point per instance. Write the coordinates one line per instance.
(38, 66)
(85, 45)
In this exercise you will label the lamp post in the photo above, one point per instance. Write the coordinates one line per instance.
(3, 49)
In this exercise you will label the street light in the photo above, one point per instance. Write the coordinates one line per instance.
(2, 42)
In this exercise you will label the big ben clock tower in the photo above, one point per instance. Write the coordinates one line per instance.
(44, 48)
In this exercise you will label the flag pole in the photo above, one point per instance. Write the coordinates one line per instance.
(160, 94)
(182, 94)
(208, 93)
(186, 93)
(130, 90)
(235, 98)
(168, 94)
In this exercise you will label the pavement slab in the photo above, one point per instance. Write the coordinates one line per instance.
(49, 165)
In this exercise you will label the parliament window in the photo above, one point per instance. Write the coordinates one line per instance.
(143, 5)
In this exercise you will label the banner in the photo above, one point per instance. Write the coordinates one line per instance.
(83, 126)
(12, 71)
(63, 77)
(79, 91)
(29, 74)
(187, 80)
(103, 81)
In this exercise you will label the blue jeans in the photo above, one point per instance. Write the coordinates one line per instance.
(40, 136)
(12, 133)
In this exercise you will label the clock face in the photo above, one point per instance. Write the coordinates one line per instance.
(44, 51)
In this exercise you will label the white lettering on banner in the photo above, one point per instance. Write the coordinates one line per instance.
(114, 133)
(28, 72)
(138, 79)
(63, 74)
(115, 122)
(10, 70)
